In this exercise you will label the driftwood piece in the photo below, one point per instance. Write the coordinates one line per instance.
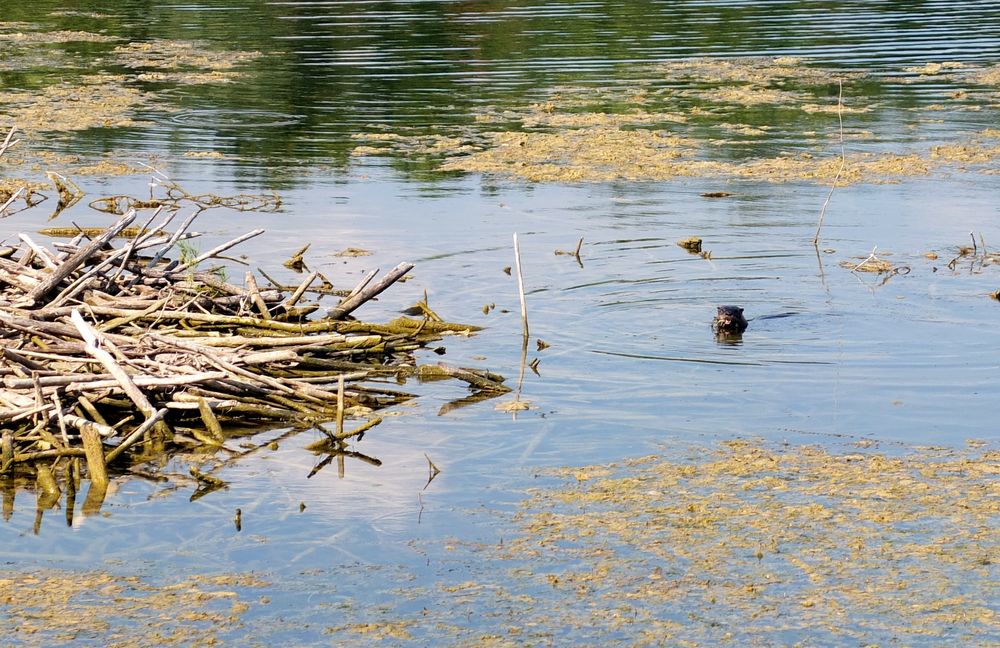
(68, 266)
(93, 346)
(94, 451)
(369, 292)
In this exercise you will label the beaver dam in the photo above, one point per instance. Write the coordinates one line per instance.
(115, 355)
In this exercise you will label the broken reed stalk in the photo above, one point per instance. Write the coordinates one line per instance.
(96, 463)
(369, 292)
(843, 161)
(520, 288)
(70, 265)
(10, 201)
(7, 143)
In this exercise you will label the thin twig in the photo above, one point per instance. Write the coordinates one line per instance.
(10, 200)
(216, 250)
(843, 161)
(871, 257)
(297, 295)
(7, 143)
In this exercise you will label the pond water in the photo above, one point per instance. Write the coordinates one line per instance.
(348, 110)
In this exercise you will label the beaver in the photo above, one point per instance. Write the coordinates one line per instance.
(729, 320)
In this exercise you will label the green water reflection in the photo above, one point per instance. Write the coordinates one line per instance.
(328, 71)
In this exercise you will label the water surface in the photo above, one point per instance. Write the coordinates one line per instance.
(633, 366)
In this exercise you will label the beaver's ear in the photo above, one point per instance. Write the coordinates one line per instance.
(740, 310)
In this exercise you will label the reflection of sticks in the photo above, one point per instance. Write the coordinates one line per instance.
(432, 472)
(471, 399)
(520, 287)
(843, 161)
(520, 373)
(575, 253)
(819, 264)
(339, 455)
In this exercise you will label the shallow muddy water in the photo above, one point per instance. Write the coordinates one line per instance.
(349, 111)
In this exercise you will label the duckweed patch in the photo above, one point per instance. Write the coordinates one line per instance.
(180, 61)
(21, 34)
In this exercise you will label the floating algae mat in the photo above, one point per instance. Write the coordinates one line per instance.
(768, 119)
(53, 607)
(119, 358)
(119, 85)
(745, 543)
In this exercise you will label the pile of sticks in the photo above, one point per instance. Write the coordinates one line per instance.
(118, 353)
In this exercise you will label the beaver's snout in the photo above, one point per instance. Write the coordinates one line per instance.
(729, 319)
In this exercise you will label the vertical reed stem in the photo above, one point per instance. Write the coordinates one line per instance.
(843, 161)
(520, 286)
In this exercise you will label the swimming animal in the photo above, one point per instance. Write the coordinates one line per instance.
(729, 320)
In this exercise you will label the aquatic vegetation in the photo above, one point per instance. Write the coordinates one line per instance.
(89, 101)
(54, 607)
(683, 119)
(747, 542)
(24, 34)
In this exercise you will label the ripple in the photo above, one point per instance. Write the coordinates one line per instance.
(232, 118)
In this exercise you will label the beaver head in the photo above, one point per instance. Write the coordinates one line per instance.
(729, 319)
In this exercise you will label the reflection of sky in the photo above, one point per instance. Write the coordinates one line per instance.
(632, 361)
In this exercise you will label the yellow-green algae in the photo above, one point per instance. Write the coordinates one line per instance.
(689, 119)
(48, 607)
(99, 99)
(95, 100)
(746, 543)
(784, 537)
(87, 101)
(21, 34)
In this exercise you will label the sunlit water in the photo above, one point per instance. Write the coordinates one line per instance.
(633, 366)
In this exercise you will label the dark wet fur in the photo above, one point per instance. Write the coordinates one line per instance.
(729, 319)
